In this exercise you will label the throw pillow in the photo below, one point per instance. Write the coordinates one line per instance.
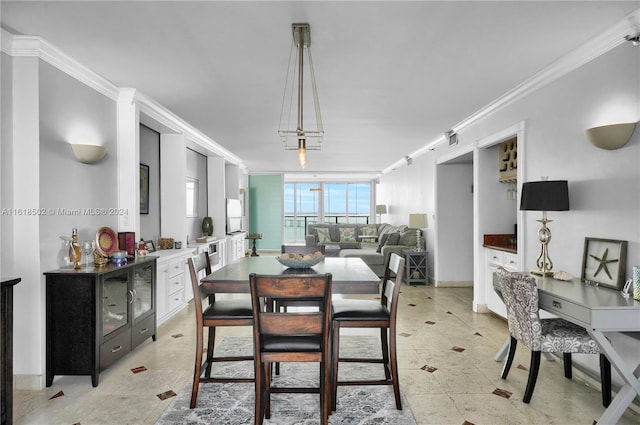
(347, 234)
(408, 238)
(369, 230)
(383, 240)
(323, 235)
(393, 239)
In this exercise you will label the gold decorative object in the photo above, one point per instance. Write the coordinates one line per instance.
(165, 243)
(99, 260)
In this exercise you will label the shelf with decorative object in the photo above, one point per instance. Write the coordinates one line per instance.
(508, 161)
(416, 267)
(97, 315)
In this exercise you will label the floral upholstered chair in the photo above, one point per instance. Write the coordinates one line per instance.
(520, 295)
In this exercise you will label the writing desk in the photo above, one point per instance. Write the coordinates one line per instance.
(349, 275)
(599, 310)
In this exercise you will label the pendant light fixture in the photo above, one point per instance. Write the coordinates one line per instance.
(300, 139)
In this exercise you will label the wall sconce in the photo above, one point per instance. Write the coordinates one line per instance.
(612, 136)
(88, 154)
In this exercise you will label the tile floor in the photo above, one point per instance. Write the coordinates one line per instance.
(447, 371)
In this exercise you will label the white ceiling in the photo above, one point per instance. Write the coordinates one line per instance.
(392, 76)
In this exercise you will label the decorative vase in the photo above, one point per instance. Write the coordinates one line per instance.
(207, 226)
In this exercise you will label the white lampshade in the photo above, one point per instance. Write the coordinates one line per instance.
(418, 221)
(381, 209)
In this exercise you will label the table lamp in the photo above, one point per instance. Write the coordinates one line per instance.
(418, 221)
(545, 195)
(380, 209)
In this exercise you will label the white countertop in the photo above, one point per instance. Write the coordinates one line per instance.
(164, 254)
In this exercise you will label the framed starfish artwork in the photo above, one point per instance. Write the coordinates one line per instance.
(604, 262)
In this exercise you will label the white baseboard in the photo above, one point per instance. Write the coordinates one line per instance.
(482, 308)
(28, 382)
(454, 284)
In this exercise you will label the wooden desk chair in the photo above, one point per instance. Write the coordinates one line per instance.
(520, 294)
(281, 336)
(352, 313)
(217, 313)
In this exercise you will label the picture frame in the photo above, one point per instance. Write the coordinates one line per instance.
(604, 262)
(144, 189)
(150, 246)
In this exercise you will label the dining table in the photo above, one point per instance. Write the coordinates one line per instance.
(349, 275)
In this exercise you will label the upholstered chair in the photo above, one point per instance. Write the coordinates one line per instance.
(520, 295)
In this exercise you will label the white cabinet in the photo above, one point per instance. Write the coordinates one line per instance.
(237, 247)
(174, 286)
(494, 259)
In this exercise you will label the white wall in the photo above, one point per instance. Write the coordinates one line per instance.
(49, 109)
(604, 186)
(455, 214)
(408, 190)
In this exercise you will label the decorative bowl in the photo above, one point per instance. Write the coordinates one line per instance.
(300, 261)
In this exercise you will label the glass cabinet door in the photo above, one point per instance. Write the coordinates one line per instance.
(143, 290)
(115, 301)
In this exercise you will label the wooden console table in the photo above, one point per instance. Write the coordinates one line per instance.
(6, 348)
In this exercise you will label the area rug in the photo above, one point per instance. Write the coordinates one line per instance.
(233, 403)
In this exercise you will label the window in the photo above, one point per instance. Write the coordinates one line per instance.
(301, 207)
(192, 197)
(347, 202)
(308, 203)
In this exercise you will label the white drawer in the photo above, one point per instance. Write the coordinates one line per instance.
(176, 267)
(175, 300)
(510, 262)
(495, 257)
(175, 284)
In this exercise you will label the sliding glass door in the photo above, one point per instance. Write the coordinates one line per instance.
(310, 203)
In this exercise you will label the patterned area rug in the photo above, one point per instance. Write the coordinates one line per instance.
(233, 403)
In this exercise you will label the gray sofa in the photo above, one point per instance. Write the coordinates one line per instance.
(371, 242)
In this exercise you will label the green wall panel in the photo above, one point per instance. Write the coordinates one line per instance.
(265, 209)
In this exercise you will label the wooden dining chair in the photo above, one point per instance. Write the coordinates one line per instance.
(357, 313)
(215, 313)
(301, 249)
(286, 303)
(520, 294)
(285, 336)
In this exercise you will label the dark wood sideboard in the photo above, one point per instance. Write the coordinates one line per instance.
(96, 316)
(6, 348)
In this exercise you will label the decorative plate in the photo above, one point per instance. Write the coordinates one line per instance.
(106, 241)
(299, 262)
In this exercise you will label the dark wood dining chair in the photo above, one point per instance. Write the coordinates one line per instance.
(297, 249)
(285, 336)
(301, 249)
(286, 303)
(357, 313)
(216, 313)
(520, 295)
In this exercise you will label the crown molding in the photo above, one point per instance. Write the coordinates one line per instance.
(590, 50)
(35, 46)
